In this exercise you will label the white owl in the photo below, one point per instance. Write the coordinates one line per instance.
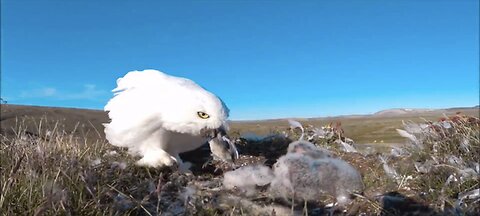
(158, 116)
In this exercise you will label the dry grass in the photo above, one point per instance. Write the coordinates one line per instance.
(54, 173)
(450, 157)
(48, 171)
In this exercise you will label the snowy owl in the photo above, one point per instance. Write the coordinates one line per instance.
(158, 116)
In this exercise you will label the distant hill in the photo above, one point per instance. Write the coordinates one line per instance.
(82, 122)
(403, 111)
(87, 123)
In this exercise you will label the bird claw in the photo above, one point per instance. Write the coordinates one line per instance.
(157, 161)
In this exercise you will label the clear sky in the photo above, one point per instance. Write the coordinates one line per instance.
(265, 59)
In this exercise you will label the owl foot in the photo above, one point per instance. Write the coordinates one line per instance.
(157, 159)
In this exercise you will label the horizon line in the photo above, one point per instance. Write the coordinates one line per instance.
(275, 118)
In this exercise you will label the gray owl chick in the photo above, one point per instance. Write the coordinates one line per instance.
(309, 179)
(308, 149)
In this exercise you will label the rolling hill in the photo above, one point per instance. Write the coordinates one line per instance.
(87, 123)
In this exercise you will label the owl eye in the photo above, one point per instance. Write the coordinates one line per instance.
(203, 115)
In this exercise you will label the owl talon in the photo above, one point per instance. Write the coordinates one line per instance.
(157, 161)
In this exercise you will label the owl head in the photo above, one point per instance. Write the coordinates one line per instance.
(194, 110)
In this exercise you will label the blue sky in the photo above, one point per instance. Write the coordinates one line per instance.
(265, 59)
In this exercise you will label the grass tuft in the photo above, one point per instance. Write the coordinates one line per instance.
(46, 170)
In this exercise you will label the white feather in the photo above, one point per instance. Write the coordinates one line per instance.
(390, 171)
(295, 124)
(346, 147)
(155, 115)
(411, 137)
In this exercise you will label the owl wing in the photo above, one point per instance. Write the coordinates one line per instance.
(137, 107)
